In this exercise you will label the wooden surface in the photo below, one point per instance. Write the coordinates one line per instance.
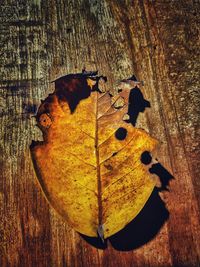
(158, 41)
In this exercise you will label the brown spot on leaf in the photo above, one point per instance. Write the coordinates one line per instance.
(108, 166)
(45, 120)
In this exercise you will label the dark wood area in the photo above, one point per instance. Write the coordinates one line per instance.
(156, 40)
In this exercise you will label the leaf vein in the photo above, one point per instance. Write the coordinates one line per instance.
(118, 150)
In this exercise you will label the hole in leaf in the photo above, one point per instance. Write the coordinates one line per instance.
(137, 104)
(146, 158)
(121, 133)
(163, 174)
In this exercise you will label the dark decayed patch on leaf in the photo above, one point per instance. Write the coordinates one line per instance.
(71, 88)
(74, 87)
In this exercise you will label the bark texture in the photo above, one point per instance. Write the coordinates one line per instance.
(158, 41)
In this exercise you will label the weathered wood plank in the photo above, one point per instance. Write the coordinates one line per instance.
(156, 40)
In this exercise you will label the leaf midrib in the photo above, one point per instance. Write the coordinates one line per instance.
(99, 188)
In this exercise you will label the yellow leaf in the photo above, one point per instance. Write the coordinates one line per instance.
(89, 162)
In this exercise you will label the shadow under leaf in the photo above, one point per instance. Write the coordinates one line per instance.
(95, 241)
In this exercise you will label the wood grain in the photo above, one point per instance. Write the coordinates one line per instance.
(158, 41)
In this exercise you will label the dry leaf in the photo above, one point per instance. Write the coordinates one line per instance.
(89, 162)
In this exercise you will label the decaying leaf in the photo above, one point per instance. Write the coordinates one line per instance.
(89, 162)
